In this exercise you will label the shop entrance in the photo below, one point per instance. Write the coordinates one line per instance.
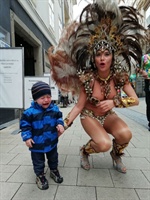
(29, 61)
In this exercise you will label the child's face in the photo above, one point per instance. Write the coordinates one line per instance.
(44, 101)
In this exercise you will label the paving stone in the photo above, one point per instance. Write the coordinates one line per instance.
(7, 190)
(136, 163)
(31, 192)
(70, 150)
(132, 179)
(6, 148)
(24, 174)
(94, 177)
(139, 152)
(143, 194)
(4, 176)
(147, 173)
(8, 168)
(75, 193)
(72, 161)
(20, 148)
(5, 158)
(116, 194)
(22, 159)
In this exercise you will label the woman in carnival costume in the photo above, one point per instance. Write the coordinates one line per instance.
(93, 59)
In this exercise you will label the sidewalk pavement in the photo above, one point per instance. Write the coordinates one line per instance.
(101, 182)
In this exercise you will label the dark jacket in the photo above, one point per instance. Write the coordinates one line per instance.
(40, 125)
(147, 85)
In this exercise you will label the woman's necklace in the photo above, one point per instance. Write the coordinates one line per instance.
(105, 79)
(105, 85)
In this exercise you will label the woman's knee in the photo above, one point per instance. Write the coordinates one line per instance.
(103, 145)
(124, 136)
(127, 135)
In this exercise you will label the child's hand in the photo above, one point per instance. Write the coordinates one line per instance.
(29, 143)
(60, 129)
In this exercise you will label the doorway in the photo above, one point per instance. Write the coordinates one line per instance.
(29, 61)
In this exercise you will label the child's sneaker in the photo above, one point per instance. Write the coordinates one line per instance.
(54, 174)
(42, 182)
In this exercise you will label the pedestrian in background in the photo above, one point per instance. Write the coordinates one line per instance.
(41, 125)
(145, 72)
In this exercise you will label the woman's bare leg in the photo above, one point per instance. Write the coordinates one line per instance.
(100, 141)
(115, 126)
(122, 135)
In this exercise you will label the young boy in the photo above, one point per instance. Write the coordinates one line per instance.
(41, 125)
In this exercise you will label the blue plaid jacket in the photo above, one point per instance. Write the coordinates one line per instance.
(40, 125)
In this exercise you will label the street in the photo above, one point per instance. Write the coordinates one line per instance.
(101, 182)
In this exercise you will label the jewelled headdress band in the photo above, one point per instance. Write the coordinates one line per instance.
(103, 45)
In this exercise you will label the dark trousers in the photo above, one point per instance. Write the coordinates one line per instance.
(147, 100)
(38, 160)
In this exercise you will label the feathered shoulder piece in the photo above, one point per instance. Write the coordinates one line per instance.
(63, 69)
(102, 25)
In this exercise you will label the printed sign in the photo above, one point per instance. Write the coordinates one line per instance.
(11, 77)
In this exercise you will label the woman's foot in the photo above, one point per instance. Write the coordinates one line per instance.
(84, 159)
(117, 163)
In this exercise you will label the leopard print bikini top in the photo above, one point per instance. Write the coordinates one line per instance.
(88, 83)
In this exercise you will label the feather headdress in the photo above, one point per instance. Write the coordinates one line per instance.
(102, 25)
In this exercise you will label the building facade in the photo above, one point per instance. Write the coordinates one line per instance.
(34, 25)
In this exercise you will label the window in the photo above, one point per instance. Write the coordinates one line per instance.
(51, 13)
(59, 2)
(33, 2)
(60, 27)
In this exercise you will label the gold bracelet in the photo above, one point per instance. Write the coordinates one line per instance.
(66, 122)
(123, 102)
(128, 101)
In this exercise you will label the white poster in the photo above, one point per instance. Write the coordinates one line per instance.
(11, 77)
(28, 83)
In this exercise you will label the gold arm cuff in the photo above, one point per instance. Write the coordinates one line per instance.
(123, 102)
(128, 101)
(66, 122)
